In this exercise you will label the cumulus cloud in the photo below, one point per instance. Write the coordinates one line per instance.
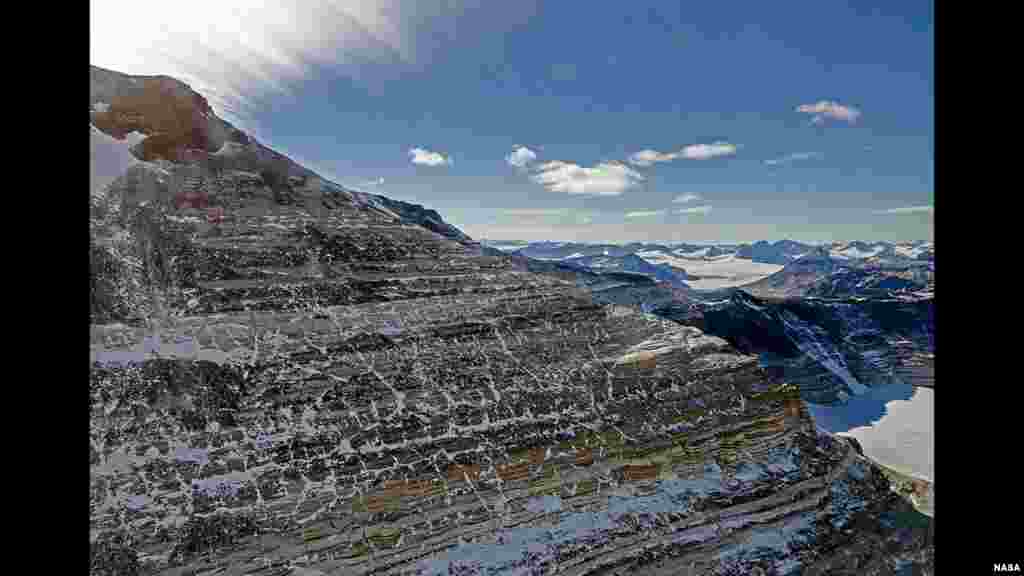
(826, 109)
(695, 210)
(425, 157)
(683, 199)
(521, 156)
(603, 179)
(907, 210)
(649, 157)
(706, 151)
(789, 158)
(644, 213)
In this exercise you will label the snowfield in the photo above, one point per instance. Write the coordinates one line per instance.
(715, 273)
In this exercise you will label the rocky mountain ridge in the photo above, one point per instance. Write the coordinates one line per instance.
(833, 348)
(289, 377)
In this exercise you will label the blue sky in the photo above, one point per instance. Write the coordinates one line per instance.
(727, 121)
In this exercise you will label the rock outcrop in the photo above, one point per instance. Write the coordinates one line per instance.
(831, 347)
(290, 377)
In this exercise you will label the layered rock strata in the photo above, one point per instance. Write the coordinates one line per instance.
(316, 382)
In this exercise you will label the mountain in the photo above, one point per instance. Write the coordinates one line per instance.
(504, 245)
(902, 266)
(832, 348)
(630, 263)
(693, 251)
(415, 214)
(860, 250)
(871, 281)
(821, 274)
(798, 276)
(781, 252)
(284, 369)
(563, 250)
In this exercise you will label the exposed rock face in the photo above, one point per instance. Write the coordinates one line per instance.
(832, 348)
(872, 282)
(798, 276)
(318, 381)
(819, 274)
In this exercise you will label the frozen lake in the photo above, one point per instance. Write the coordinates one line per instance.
(894, 424)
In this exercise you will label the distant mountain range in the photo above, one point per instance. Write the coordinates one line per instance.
(779, 252)
(630, 263)
(784, 268)
(832, 273)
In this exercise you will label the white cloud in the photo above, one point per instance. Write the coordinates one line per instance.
(644, 213)
(789, 158)
(706, 151)
(683, 199)
(907, 210)
(425, 157)
(521, 156)
(826, 109)
(604, 179)
(695, 210)
(649, 157)
(374, 182)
